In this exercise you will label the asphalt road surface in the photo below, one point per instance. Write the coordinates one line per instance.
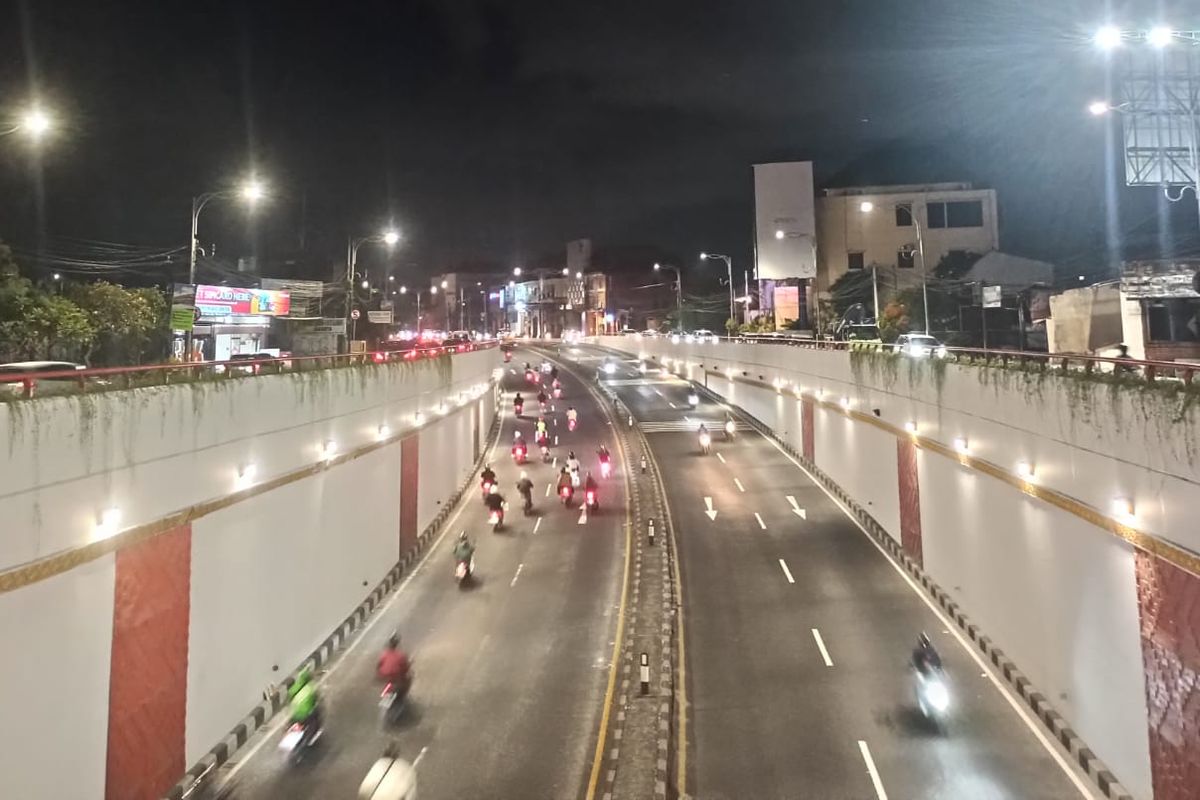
(798, 631)
(510, 673)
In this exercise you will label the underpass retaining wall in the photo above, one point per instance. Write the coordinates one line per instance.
(133, 650)
(1075, 596)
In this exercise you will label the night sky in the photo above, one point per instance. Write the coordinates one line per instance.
(496, 131)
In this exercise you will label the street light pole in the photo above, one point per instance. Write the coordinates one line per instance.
(866, 207)
(678, 291)
(729, 271)
(388, 237)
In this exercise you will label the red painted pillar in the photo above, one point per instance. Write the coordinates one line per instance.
(1169, 607)
(410, 465)
(807, 434)
(910, 500)
(147, 694)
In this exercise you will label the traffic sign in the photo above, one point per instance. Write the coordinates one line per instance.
(355, 314)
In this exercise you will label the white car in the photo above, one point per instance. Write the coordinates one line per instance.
(26, 369)
(919, 345)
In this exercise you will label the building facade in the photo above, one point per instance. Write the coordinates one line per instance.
(884, 227)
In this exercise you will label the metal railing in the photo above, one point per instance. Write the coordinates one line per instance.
(1150, 371)
(76, 381)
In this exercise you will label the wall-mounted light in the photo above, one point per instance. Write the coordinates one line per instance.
(418, 419)
(1122, 507)
(846, 403)
(108, 522)
(1025, 469)
(961, 445)
(910, 426)
(327, 449)
(245, 476)
(382, 432)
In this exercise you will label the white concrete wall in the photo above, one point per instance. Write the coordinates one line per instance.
(446, 460)
(54, 673)
(152, 451)
(1052, 590)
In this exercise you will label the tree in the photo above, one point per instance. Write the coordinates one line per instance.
(125, 320)
(893, 321)
(35, 325)
(955, 264)
(854, 286)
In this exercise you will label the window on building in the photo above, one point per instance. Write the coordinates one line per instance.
(936, 214)
(904, 216)
(854, 261)
(905, 258)
(967, 214)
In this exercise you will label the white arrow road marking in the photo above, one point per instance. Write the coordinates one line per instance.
(821, 646)
(514, 580)
(796, 509)
(739, 485)
(875, 779)
(583, 516)
(761, 524)
(712, 515)
(786, 572)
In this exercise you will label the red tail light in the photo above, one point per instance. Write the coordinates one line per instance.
(379, 357)
(566, 491)
(386, 691)
(591, 497)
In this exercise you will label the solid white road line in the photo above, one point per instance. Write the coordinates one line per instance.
(549, 486)
(821, 646)
(537, 524)
(739, 485)
(787, 572)
(1033, 726)
(672, 405)
(761, 524)
(721, 458)
(875, 779)
(514, 580)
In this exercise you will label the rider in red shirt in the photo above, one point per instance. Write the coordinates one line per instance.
(394, 664)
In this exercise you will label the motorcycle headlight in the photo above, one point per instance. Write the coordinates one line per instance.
(937, 696)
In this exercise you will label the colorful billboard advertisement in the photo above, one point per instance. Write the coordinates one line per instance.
(227, 301)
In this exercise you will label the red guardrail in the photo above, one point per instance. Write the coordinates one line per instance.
(1149, 370)
(24, 384)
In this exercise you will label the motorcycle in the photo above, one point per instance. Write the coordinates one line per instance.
(574, 479)
(545, 454)
(605, 468)
(566, 492)
(464, 569)
(933, 697)
(392, 699)
(705, 443)
(496, 519)
(507, 356)
(530, 376)
(571, 424)
(591, 499)
(729, 430)
(557, 393)
(518, 453)
(486, 487)
(299, 737)
(518, 409)
(693, 400)
(543, 438)
(527, 507)
(545, 407)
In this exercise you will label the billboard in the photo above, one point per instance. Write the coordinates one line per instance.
(785, 224)
(183, 307)
(1158, 113)
(228, 301)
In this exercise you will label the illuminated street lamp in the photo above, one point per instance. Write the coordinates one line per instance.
(1108, 37)
(866, 207)
(388, 237)
(678, 290)
(250, 192)
(728, 268)
(1160, 36)
(34, 123)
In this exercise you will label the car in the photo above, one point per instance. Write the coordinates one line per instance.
(919, 345)
(248, 369)
(11, 386)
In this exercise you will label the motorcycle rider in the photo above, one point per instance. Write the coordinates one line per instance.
(306, 703)
(518, 404)
(572, 415)
(488, 476)
(925, 657)
(603, 454)
(542, 399)
(394, 665)
(541, 428)
(590, 485)
(573, 465)
(564, 481)
(525, 487)
(495, 502)
(730, 427)
(463, 549)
